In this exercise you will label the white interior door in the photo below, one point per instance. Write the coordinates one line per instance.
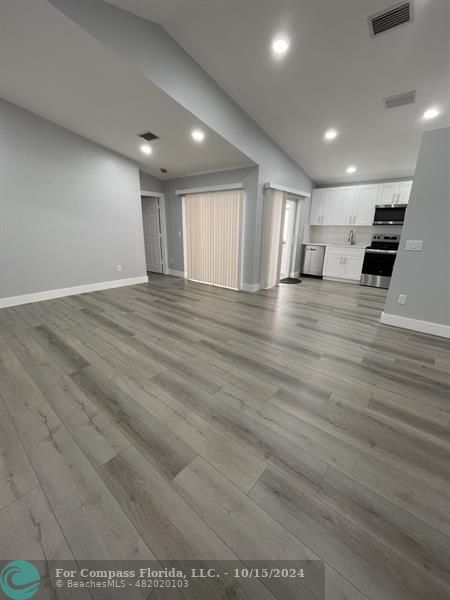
(287, 239)
(152, 234)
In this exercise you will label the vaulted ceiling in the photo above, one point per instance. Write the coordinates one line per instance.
(51, 66)
(334, 75)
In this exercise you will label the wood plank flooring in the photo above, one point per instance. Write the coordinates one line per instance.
(179, 421)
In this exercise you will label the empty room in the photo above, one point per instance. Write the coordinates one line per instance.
(225, 299)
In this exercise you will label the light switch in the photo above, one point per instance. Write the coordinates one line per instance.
(414, 245)
(402, 299)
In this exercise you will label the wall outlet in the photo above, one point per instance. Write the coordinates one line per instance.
(402, 299)
(119, 268)
(414, 245)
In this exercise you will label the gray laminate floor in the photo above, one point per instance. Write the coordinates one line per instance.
(174, 420)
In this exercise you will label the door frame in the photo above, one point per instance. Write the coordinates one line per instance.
(162, 224)
(293, 237)
(300, 202)
(219, 188)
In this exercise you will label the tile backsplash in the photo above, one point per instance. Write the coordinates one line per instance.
(329, 234)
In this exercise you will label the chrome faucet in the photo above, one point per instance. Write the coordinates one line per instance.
(351, 237)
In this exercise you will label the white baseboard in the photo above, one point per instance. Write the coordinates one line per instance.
(71, 291)
(176, 273)
(250, 287)
(416, 325)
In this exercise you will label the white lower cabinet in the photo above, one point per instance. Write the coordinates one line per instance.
(332, 265)
(342, 262)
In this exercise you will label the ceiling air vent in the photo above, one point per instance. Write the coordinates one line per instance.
(149, 136)
(400, 99)
(388, 19)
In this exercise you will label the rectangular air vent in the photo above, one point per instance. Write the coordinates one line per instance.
(149, 136)
(393, 17)
(400, 99)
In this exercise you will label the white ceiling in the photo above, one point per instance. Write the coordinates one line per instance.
(335, 74)
(52, 67)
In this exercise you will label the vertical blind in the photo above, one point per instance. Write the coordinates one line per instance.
(273, 220)
(213, 232)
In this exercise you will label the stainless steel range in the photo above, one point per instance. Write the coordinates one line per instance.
(379, 260)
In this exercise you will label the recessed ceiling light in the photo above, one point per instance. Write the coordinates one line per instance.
(351, 169)
(330, 134)
(431, 113)
(198, 135)
(280, 45)
(146, 149)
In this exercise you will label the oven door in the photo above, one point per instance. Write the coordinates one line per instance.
(389, 215)
(377, 267)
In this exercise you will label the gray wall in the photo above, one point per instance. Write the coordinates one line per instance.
(70, 210)
(425, 276)
(248, 176)
(150, 183)
(149, 48)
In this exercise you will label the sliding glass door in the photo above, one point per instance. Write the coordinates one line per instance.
(212, 223)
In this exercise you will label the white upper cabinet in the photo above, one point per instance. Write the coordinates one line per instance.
(387, 193)
(404, 191)
(328, 206)
(396, 192)
(366, 200)
(355, 205)
(315, 216)
(322, 206)
(344, 205)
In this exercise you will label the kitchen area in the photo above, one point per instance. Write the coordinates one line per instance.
(354, 232)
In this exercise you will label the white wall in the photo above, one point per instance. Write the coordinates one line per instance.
(70, 209)
(425, 276)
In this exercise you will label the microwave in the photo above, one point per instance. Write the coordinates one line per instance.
(389, 214)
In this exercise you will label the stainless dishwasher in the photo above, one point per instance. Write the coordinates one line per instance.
(313, 256)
